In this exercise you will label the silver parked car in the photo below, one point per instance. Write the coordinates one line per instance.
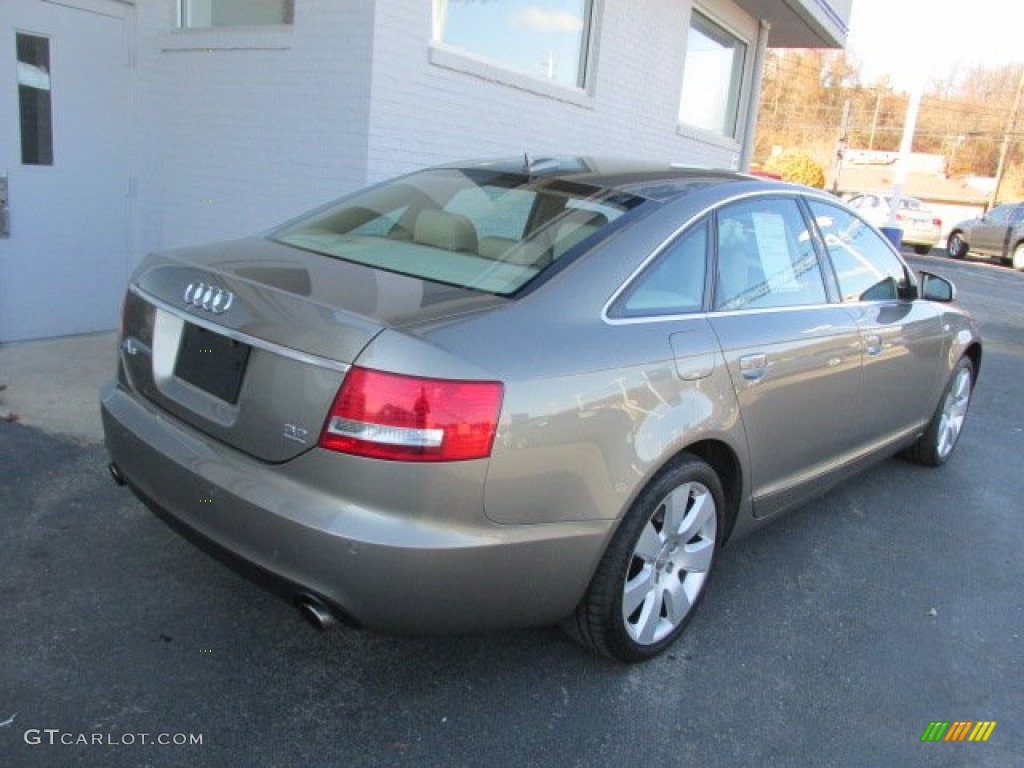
(518, 393)
(921, 228)
(997, 234)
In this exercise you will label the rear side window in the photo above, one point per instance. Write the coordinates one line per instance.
(674, 283)
(766, 257)
(866, 267)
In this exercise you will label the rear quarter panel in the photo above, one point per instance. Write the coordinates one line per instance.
(593, 410)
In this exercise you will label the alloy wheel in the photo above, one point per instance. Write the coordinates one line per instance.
(954, 412)
(670, 563)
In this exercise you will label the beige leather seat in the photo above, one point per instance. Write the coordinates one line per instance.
(512, 251)
(494, 247)
(441, 229)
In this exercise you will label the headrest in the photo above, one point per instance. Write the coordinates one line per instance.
(442, 229)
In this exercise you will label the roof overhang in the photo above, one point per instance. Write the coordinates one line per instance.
(803, 23)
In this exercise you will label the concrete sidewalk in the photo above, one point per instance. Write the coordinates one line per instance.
(54, 384)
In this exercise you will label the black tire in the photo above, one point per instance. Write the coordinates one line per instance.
(922, 250)
(1017, 259)
(661, 555)
(956, 245)
(936, 445)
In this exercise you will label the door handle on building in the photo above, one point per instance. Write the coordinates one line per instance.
(5, 213)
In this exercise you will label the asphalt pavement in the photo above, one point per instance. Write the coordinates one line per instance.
(833, 637)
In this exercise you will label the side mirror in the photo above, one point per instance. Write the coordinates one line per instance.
(935, 288)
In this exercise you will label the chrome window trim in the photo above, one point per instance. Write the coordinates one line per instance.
(245, 338)
(731, 312)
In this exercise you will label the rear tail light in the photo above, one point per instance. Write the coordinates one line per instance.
(406, 418)
(937, 223)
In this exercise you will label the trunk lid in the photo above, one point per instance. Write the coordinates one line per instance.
(249, 341)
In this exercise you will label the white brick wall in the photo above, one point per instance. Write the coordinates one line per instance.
(422, 113)
(243, 128)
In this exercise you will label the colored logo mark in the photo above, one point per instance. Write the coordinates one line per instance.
(958, 730)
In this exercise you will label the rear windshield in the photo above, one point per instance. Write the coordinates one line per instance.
(490, 231)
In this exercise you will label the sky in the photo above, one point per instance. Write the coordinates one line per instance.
(913, 39)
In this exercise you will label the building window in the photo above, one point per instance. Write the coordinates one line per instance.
(234, 13)
(546, 39)
(712, 77)
(35, 106)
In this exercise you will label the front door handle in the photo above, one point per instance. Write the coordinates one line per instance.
(753, 367)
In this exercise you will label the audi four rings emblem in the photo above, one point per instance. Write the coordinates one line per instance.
(209, 297)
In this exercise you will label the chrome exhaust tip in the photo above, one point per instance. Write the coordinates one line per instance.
(315, 612)
(115, 472)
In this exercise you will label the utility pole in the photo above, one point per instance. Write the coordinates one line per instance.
(906, 146)
(844, 130)
(1004, 151)
(874, 120)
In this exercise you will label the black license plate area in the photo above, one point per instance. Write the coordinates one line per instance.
(211, 362)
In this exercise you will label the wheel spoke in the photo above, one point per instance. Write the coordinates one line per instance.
(702, 510)
(696, 556)
(646, 628)
(676, 600)
(676, 506)
(649, 545)
(638, 589)
(945, 437)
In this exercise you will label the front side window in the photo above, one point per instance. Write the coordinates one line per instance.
(712, 77)
(546, 39)
(866, 267)
(766, 257)
(234, 13)
(488, 230)
(1002, 214)
(999, 214)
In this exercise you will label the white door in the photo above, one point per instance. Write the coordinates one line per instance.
(65, 121)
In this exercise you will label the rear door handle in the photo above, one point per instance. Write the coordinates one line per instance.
(873, 343)
(753, 367)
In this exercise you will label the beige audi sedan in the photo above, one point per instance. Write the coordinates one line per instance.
(526, 392)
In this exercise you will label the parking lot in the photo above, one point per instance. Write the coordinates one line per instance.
(833, 637)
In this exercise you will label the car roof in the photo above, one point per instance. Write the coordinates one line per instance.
(647, 179)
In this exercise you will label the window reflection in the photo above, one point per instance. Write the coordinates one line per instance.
(546, 39)
(866, 267)
(712, 77)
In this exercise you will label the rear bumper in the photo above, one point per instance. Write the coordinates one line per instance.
(436, 568)
(922, 236)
